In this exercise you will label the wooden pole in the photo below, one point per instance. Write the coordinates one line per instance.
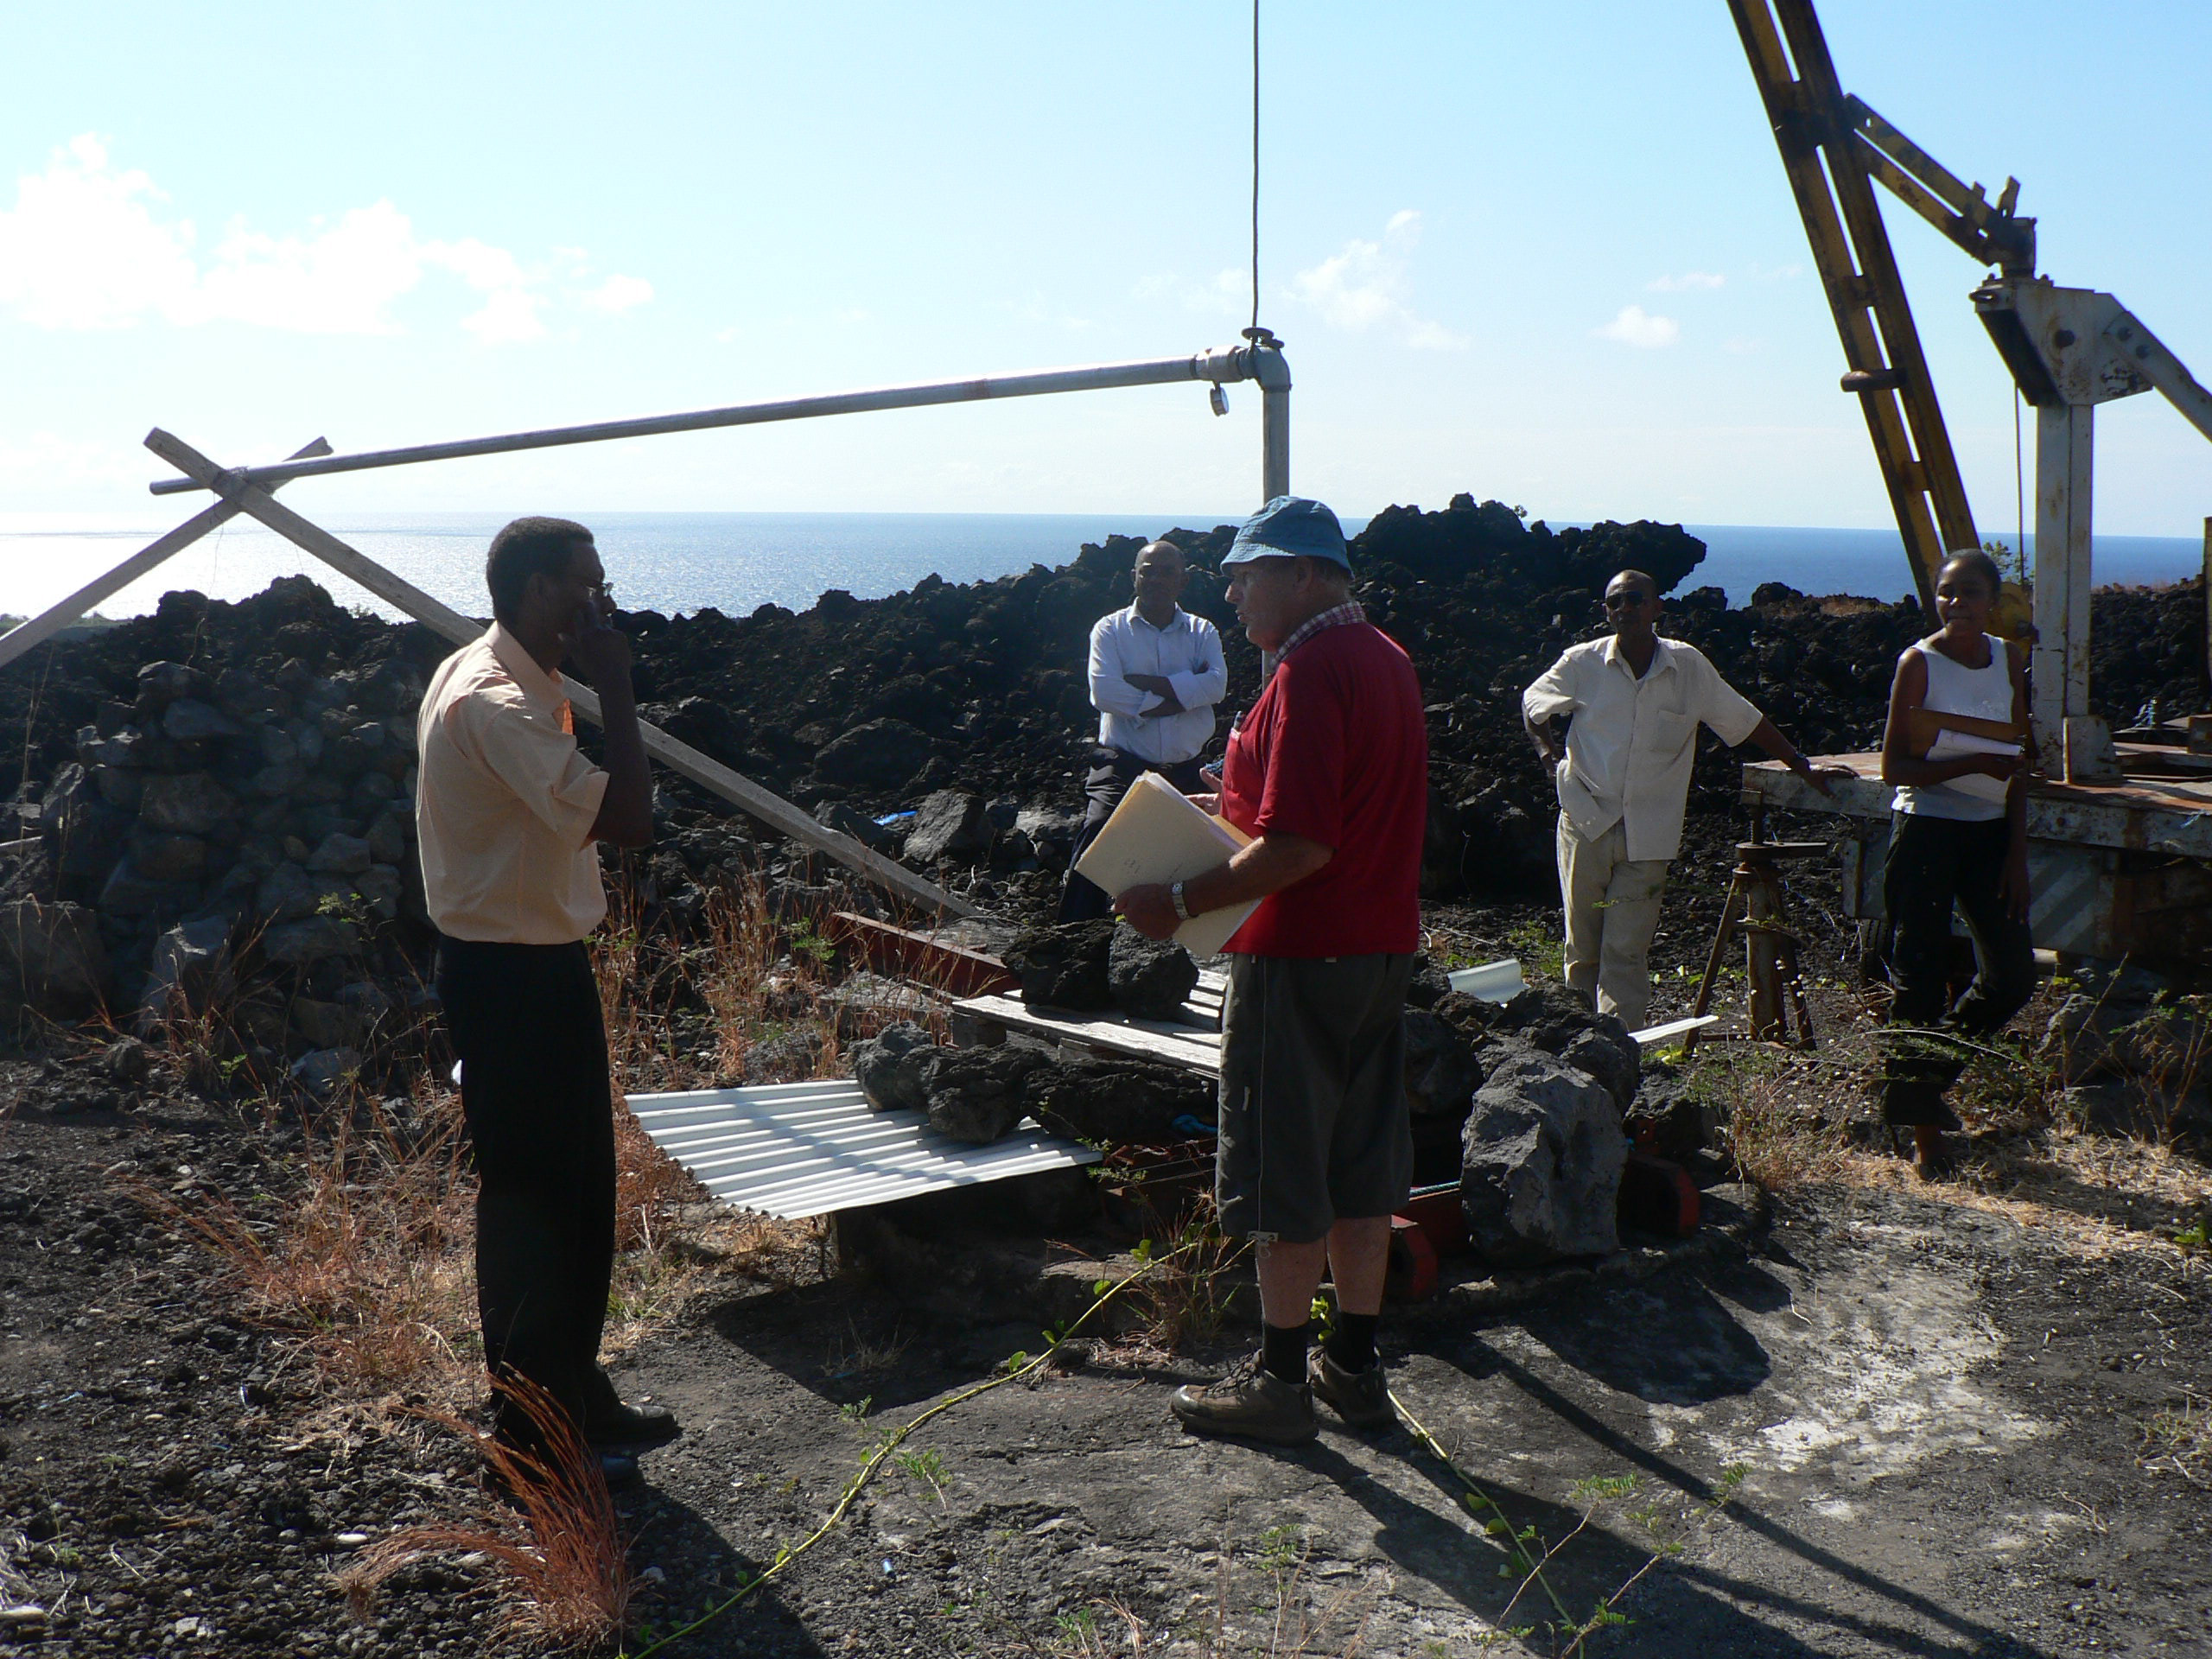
(763, 804)
(49, 622)
(2208, 597)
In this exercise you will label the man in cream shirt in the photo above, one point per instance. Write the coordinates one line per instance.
(508, 813)
(1634, 702)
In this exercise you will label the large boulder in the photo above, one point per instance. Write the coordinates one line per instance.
(948, 822)
(893, 1066)
(1542, 1160)
(977, 1094)
(1064, 966)
(51, 957)
(1118, 1102)
(1550, 1017)
(1149, 978)
(876, 754)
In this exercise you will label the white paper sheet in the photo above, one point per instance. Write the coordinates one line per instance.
(1952, 746)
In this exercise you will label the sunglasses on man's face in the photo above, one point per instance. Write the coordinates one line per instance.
(1626, 601)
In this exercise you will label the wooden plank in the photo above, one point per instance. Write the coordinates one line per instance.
(1149, 1039)
(763, 804)
(949, 970)
(51, 621)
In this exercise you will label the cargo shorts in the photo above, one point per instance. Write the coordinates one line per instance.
(1315, 1126)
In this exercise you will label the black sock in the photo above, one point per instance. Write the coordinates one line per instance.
(1282, 1351)
(1352, 1343)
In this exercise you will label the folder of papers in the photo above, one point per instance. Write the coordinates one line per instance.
(1156, 833)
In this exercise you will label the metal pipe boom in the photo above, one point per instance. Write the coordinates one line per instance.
(1219, 364)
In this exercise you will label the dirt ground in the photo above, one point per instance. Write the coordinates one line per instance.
(1903, 1422)
(1972, 1419)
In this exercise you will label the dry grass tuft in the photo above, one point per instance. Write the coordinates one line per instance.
(1775, 1144)
(565, 1570)
(363, 1259)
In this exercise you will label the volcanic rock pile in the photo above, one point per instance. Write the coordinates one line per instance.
(258, 771)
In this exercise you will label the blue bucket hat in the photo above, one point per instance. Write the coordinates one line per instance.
(1290, 526)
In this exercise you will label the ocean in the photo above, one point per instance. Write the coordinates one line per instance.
(672, 562)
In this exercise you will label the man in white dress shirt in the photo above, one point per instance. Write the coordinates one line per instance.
(1156, 672)
(1634, 702)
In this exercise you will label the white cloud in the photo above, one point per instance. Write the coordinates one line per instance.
(619, 294)
(1364, 287)
(1688, 280)
(1635, 326)
(86, 247)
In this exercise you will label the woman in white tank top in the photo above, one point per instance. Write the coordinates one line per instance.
(1958, 836)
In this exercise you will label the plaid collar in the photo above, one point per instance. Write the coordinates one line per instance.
(1335, 617)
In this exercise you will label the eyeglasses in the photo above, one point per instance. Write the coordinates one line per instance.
(1629, 600)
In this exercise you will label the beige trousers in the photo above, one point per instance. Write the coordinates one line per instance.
(1611, 903)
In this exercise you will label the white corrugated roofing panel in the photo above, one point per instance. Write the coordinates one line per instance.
(796, 1149)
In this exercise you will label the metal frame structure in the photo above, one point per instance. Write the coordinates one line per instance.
(250, 491)
(2068, 349)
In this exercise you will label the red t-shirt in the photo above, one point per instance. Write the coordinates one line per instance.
(1336, 751)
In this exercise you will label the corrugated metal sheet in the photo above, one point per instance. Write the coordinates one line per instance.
(801, 1150)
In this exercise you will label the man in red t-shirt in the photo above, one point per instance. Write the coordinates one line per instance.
(1329, 774)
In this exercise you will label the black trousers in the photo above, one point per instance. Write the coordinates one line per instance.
(525, 1020)
(1112, 773)
(1935, 863)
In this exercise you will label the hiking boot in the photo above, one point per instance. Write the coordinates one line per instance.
(1249, 1404)
(1360, 1398)
(612, 1426)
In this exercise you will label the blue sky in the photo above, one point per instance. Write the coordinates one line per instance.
(1541, 253)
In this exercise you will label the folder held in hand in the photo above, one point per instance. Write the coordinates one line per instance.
(1156, 833)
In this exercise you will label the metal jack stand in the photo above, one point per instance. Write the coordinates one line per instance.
(1770, 953)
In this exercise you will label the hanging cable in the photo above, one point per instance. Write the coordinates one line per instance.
(1255, 168)
(2019, 496)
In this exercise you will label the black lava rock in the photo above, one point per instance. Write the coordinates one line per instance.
(1066, 966)
(1118, 1102)
(893, 1066)
(1149, 978)
(977, 1094)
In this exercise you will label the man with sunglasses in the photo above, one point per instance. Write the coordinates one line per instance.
(509, 813)
(1633, 701)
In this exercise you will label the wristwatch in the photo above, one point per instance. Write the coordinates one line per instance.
(1175, 896)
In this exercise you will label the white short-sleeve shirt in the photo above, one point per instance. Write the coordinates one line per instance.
(1630, 746)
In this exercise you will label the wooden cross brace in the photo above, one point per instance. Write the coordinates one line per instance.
(238, 495)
